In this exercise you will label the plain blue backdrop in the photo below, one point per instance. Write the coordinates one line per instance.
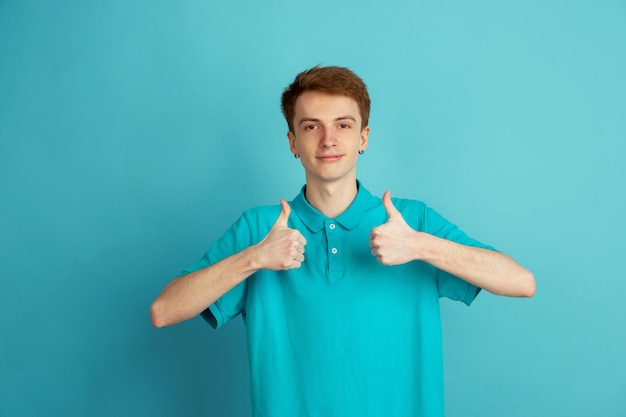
(133, 133)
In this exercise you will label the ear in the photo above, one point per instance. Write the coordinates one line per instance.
(364, 135)
(292, 142)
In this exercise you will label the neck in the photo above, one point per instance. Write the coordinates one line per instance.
(331, 198)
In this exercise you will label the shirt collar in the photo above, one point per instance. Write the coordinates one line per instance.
(349, 219)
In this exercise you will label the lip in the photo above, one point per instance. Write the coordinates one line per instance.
(329, 158)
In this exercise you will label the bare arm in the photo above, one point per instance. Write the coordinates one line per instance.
(395, 242)
(187, 296)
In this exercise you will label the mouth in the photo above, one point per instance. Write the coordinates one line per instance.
(329, 158)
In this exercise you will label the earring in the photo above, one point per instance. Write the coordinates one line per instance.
(295, 155)
(361, 152)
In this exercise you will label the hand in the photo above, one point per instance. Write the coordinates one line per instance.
(282, 248)
(391, 242)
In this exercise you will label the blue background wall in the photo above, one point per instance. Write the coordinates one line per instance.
(132, 133)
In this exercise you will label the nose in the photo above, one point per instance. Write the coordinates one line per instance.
(328, 139)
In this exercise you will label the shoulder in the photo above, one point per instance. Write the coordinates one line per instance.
(409, 205)
(416, 213)
(404, 205)
(424, 218)
(261, 215)
(249, 228)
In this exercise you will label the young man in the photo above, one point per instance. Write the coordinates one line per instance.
(353, 329)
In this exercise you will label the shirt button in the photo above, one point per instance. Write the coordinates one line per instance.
(334, 251)
(332, 226)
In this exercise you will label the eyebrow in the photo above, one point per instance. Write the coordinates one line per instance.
(312, 119)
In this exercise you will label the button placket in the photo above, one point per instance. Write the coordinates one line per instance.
(335, 260)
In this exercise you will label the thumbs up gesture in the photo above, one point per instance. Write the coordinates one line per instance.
(392, 242)
(282, 248)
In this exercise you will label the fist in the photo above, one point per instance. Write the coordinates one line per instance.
(282, 248)
(392, 242)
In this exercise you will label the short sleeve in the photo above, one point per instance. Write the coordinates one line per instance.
(233, 303)
(448, 285)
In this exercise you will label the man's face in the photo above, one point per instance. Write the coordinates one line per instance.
(328, 136)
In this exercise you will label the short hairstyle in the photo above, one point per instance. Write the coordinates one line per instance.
(329, 80)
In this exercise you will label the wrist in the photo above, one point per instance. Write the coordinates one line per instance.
(426, 248)
(252, 259)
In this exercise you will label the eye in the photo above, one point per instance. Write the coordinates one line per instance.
(344, 126)
(309, 127)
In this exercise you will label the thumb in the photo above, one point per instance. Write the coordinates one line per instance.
(284, 214)
(391, 210)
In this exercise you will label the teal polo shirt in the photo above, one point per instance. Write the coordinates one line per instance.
(343, 335)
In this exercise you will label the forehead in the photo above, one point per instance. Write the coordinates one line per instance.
(317, 105)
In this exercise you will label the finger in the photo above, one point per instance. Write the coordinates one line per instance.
(284, 214)
(392, 211)
(297, 237)
(295, 265)
(373, 235)
(300, 248)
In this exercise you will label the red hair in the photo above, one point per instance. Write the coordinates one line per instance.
(329, 80)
